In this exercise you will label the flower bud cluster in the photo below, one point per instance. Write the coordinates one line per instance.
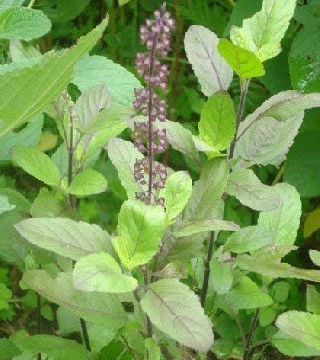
(149, 139)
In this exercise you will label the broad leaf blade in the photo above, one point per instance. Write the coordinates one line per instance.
(45, 79)
(250, 191)
(87, 182)
(217, 124)
(212, 71)
(37, 164)
(65, 237)
(102, 309)
(176, 311)
(140, 231)
(101, 273)
(220, 276)
(284, 220)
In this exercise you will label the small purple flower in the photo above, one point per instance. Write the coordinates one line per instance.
(148, 138)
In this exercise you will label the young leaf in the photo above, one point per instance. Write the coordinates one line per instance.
(176, 193)
(95, 70)
(23, 23)
(284, 220)
(301, 326)
(244, 62)
(212, 71)
(140, 230)
(269, 25)
(217, 124)
(48, 76)
(101, 273)
(313, 300)
(100, 308)
(123, 154)
(220, 276)
(176, 310)
(65, 237)
(315, 256)
(37, 164)
(249, 239)
(247, 295)
(198, 226)
(207, 191)
(87, 182)
(5, 205)
(249, 190)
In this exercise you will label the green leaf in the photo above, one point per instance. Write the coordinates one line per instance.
(140, 231)
(249, 239)
(175, 309)
(315, 256)
(48, 205)
(304, 60)
(217, 124)
(20, 50)
(212, 71)
(5, 295)
(49, 75)
(100, 308)
(6, 4)
(244, 62)
(261, 140)
(289, 346)
(280, 291)
(54, 346)
(28, 136)
(5, 205)
(302, 168)
(301, 326)
(153, 350)
(17, 199)
(94, 70)
(247, 295)
(62, 11)
(8, 349)
(23, 23)
(269, 25)
(249, 190)
(284, 220)
(87, 182)
(198, 226)
(220, 276)
(65, 237)
(37, 164)
(176, 193)
(266, 316)
(101, 272)
(207, 191)
(313, 300)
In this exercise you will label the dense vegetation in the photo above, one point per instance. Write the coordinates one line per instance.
(159, 179)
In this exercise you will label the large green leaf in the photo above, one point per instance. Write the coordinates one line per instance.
(207, 191)
(6, 4)
(176, 311)
(23, 23)
(301, 326)
(8, 349)
(217, 124)
(176, 193)
(247, 295)
(102, 309)
(140, 231)
(54, 346)
(249, 239)
(304, 60)
(123, 155)
(250, 191)
(212, 71)
(284, 220)
(65, 237)
(94, 70)
(87, 182)
(302, 168)
(100, 272)
(37, 164)
(35, 86)
(243, 62)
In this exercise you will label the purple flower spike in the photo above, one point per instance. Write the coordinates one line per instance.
(156, 35)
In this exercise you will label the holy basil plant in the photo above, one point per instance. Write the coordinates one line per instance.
(177, 268)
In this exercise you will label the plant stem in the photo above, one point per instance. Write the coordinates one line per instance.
(206, 274)
(243, 96)
(31, 3)
(85, 334)
(39, 319)
(248, 349)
